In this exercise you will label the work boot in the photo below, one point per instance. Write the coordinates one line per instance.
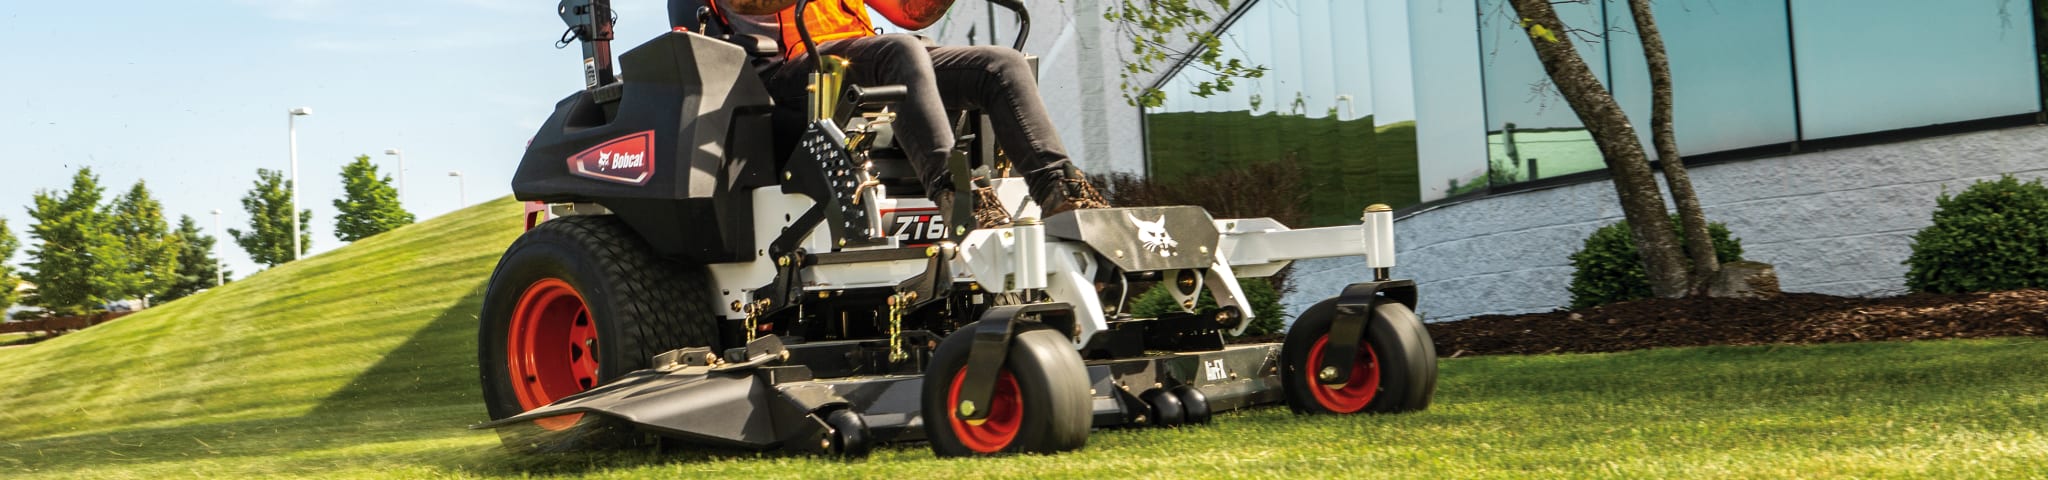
(1074, 192)
(988, 210)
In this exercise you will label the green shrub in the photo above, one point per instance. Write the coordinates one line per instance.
(1608, 269)
(1993, 236)
(1267, 315)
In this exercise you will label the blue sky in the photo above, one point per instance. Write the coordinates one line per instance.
(192, 96)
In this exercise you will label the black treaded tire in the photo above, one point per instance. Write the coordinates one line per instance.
(639, 305)
(1048, 382)
(1404, 360)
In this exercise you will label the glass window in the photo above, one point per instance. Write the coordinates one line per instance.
(1450, 121)
(1314, 107)
(1530, 131)
(1731, 73)
(1875, 65)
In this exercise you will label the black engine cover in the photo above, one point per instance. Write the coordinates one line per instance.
(675, 156)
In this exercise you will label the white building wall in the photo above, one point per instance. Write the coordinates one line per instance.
(1837, 222)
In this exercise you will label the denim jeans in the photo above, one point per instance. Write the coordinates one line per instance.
(995, 80)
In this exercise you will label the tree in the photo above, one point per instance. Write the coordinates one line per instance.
(1156, 29)
(369, 206)
(151, 251)
(8, 281)
(1664, 137)
(1642, 203)
(76, 253)
(197, 268)
(269, 239)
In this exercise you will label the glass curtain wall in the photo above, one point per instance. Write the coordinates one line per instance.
(1315, 106)
(1758, 73)
(1347, 78)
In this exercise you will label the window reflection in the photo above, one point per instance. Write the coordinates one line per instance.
(1875, 65)
(1531, 132)
(1731, 73)
(1315, 107)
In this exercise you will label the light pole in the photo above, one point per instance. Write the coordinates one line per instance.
(219, 278)
(462, 193)
(292, 124)
(401, 172)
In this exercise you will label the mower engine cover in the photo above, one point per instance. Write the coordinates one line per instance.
(675, 153)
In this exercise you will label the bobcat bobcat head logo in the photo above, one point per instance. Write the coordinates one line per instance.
(1153, 235)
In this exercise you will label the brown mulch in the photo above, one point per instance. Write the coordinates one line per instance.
(1792, 318)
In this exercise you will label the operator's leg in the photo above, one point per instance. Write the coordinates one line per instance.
(921, 125)
(998, 81)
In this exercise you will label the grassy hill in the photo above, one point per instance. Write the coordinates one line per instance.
(375, 338)
(359, 363)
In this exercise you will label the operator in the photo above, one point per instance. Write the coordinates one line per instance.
(996, 80)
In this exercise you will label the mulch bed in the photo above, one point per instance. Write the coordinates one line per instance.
(1792, 318)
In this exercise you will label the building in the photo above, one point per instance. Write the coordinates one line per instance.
(1820, 132)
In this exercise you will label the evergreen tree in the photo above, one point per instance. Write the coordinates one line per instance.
(197, 268)
(151, 250)
(370, 205)
(76, 255)
(269, 239)
(8, 280)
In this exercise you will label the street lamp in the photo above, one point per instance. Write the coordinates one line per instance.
(292, 123)
(462, 193)
(219, 278)
(401, 172)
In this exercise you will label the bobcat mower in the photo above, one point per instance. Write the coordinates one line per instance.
(708, 265)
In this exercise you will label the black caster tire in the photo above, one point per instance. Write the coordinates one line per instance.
(1166, 409)
(1041, 402)
(850, 436)
(574, 303)
(1194, 403)
(1395, 371)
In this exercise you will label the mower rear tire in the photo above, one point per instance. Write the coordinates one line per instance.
(1395, 370)
(1041, 402)
(575, 303)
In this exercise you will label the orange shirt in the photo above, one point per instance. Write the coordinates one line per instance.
(827, 20)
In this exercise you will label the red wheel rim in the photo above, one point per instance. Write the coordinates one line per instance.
(551, 349)
(1364, 383)
(1005, 415)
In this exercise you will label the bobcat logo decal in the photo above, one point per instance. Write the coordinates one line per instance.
(1153, 235)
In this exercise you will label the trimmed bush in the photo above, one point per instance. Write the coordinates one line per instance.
(1993, 236)
(1267, 315)
(1608, 269)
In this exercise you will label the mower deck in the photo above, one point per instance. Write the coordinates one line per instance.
(767, 403)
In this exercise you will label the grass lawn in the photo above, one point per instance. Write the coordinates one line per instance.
(360, 363)
(13, 338)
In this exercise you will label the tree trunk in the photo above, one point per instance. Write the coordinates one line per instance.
(1699, 246)
(1642, 203)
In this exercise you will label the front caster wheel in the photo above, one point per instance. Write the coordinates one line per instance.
(1040, 403)
(850, 437)
(1395, 370)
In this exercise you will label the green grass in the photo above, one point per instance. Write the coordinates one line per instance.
(13, 338)
(360, 364)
